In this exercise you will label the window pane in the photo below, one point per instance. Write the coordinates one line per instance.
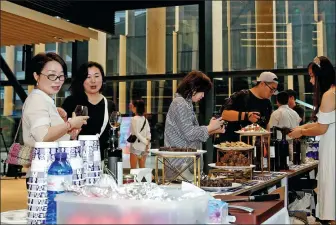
(18, 71)
(65, 51)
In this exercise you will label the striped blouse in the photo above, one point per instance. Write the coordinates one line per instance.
(182, 128)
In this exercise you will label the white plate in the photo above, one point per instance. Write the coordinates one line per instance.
(233, 148)
(218, 189)
(250, 133)
(213, 165)
(163, 153)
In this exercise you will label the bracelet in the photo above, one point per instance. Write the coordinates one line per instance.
(68, 124)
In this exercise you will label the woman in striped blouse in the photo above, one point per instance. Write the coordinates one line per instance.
(182, 128)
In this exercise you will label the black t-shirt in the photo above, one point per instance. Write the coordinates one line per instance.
(95, 122)
(245, 101)
(299, 110)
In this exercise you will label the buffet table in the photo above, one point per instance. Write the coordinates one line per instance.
(270, 212)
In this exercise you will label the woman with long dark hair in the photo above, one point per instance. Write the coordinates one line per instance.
(141, 129)
(322, 77)
(86, 90)
(182, 129)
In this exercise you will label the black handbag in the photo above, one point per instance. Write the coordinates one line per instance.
(132, 138)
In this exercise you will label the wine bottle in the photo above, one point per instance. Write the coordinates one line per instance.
(297, 151)
(284, 151)
(115, 164)
(114, 157)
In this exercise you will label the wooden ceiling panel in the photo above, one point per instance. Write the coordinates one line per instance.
(20, 25)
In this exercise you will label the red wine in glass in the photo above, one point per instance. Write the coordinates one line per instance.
(81, 110)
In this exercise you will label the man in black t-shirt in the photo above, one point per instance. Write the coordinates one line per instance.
(249, 106)
(292, 104)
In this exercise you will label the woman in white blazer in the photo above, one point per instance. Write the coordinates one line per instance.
(140, 128)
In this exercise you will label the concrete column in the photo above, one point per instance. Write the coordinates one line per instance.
(290, 55)
(174, 61)
(175, 47)
(129, 23)
(320, 29)
(156, 53)
(217, 35)
(129, 32)
(8, 91)
(37, 49)
(228, 24)
(264, 29)
(122, 72)
(97, 49)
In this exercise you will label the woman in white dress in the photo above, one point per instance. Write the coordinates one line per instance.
(322, 76)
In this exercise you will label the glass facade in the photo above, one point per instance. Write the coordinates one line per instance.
(300, 31)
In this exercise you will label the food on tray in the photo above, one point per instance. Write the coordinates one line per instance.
(175, 149)
(233, 158)
(253, 128)
(234, 144)
(209, 182)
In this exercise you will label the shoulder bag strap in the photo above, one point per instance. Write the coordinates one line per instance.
(105, 117)
(143, 126)
(17, 131)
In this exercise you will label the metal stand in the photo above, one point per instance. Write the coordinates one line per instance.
(165, 162)
(264, 137)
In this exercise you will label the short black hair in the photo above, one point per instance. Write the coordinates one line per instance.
(291, 93)
(282, 98)
(140, 107)
(38, 62)
(76, 87)
(195, 81)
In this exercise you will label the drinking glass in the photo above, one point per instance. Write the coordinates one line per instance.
(115, 119)
(81, 110)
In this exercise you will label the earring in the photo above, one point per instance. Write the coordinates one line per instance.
(36, 83)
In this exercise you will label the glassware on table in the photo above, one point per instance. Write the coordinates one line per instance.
(81, 110)
(115, 119)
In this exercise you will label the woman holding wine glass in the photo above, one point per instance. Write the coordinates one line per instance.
(41, 120)
(87, 98)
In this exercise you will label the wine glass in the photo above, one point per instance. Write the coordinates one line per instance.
(81, 110)
(115, 119)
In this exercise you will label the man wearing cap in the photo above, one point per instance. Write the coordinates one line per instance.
(292, 104)
(250, 106)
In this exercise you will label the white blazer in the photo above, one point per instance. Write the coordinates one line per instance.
(143, 137)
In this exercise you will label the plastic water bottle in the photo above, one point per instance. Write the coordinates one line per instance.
(59, 172)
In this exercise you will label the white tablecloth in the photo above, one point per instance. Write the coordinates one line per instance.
(14, 217)
(280, 217)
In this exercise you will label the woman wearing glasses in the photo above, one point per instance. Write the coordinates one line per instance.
(86, 90)
(322, 77)
(41, 120)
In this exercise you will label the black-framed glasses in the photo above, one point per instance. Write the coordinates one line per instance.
(273, 90)
(54, 77)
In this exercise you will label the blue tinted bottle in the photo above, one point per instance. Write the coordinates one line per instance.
(59, 172)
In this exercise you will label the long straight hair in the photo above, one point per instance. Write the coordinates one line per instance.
(324, 75)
